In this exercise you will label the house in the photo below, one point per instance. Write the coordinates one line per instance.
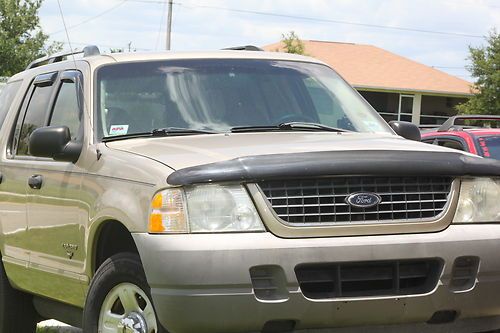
(397, 87)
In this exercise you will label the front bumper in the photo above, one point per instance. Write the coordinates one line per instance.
(201, 283)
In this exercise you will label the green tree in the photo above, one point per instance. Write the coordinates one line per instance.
(485, 68)
(292, 43)
(21, 37)
(122, 49)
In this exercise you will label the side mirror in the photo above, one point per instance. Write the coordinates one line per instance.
(54, 142)
(406, 129)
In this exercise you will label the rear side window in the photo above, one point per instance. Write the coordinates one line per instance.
(447, 142)
(36, 115)
(6, 98)
(490, 146)
(453, 144)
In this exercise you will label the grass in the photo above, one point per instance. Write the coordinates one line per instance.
(56, 329)
(47, 330)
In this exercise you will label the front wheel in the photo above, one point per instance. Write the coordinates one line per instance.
(119, 299)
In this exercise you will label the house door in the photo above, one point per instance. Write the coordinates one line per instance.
(405, 111)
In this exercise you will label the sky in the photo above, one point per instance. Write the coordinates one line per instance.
(434, 32)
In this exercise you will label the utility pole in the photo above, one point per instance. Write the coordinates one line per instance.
(169, 23)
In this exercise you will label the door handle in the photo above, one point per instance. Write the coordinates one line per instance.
(35, 182)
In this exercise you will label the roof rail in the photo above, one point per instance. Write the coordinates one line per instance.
(451, 121)
(87, 51)
(244, 48)
(425, 127)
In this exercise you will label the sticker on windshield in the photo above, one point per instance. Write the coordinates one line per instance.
(118, 130)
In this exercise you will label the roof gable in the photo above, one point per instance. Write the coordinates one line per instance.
(367, 66)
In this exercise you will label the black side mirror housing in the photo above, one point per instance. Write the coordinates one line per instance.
(406, 129)
(54, 142)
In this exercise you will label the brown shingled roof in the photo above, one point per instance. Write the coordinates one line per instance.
(367, 66)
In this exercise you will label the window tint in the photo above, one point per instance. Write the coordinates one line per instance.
(66, 111)
(451, 144)
(490, 146)
(327, 106)
(211, 94)
(35, 116)
(6, 98)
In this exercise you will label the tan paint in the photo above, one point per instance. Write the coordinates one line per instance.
(185, 151)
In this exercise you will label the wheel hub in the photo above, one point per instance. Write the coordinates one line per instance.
(133, 323)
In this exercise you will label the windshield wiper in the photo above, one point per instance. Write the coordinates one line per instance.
(178, 130)
(288, 126)
(167, 131)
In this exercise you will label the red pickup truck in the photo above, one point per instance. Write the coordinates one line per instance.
(461, 132)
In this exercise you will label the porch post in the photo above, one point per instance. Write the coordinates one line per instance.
(417, 109)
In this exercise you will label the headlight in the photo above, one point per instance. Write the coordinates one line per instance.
(204, 208)
(478, 201)
(168, 212)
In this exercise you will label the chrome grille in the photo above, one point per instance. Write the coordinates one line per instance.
(306, 201)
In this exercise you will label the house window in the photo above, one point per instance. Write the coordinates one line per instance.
(436, 109)
(386, 104)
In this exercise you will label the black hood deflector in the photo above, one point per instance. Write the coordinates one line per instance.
(337, 163)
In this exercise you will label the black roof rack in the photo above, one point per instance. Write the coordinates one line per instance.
(244, 48)
(87, 51)
(450, 123)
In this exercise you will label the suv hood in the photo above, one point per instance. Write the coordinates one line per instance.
(186, 151)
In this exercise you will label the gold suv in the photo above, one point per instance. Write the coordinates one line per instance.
(233, 191)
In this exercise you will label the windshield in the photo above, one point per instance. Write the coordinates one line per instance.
(490, 146)
(217, 95)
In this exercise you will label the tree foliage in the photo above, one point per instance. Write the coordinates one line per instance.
(292, 43)
(121, 50)
(21, 37)
(485, 68)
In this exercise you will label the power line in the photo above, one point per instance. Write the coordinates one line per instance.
(85, 107)
(323, 20)
(469, 4)
(307, 18)
(65, 28)
(455, 70)
(450, 67)
(272, 14)
(161, 25)
(105, 45)
(149, 1)
(91, 18)
(450, 2)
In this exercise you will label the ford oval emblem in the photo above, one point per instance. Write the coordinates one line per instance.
(363, 199)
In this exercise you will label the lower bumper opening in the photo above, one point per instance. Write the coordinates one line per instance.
(443, 317)
(369, 278)
(279, 326)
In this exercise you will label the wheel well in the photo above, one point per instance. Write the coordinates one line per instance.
(113, 238)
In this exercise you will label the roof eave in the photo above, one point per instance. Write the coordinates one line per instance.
(410, 90)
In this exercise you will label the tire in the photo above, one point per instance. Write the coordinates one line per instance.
(17, 314)
(119, 293)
